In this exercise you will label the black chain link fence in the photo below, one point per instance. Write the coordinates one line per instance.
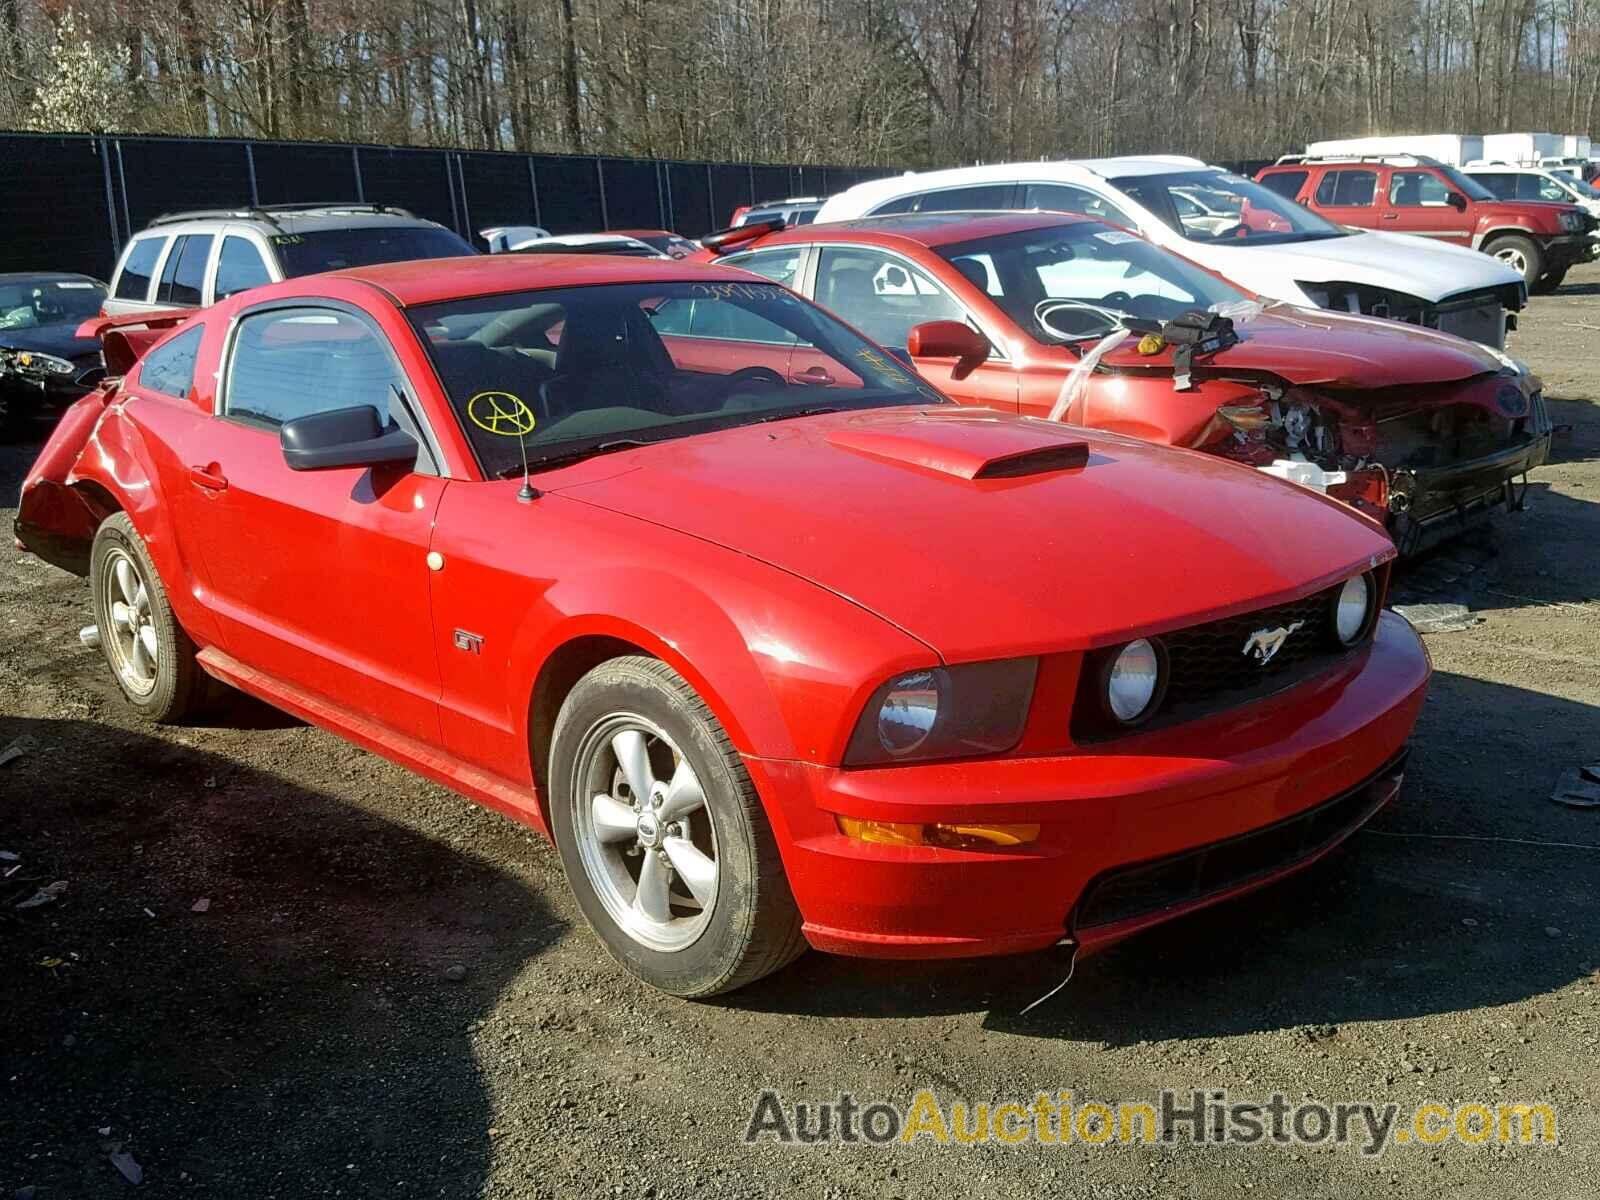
(68, 202)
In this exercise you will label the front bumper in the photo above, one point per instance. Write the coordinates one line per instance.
(1104, 810)
(28, 396)
(1561, 252)
(1442, 502)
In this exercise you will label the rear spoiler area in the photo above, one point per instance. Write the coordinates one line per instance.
(726, 241)
(124, 339)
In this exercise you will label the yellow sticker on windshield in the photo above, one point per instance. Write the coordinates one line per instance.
(500, 413)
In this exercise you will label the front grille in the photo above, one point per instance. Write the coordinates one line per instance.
(1210, 660)
(1137, 891)
(1209, 668)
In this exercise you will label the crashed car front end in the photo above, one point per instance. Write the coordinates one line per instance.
(45, 383)
(1427, 460)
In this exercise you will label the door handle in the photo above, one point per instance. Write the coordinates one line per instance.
(209, 477)
(814, 375)
(1390, 217)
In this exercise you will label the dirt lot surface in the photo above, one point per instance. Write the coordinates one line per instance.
(303, 1035)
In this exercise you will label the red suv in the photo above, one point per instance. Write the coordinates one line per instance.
(1426, 197)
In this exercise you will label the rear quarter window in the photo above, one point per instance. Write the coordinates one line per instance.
(169, 368)
(133, 281)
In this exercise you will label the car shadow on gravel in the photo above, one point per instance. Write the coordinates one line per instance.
(1391, 926)
(301, 1036)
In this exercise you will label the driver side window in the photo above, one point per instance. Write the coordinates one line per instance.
(881, 295)
(292, 362)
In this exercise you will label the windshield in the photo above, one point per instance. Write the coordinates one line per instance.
(1465, 184)
(1587, 191)
(336, 249)
(34, 303)
(582, 370)
(1083, 280)
(1216, 206)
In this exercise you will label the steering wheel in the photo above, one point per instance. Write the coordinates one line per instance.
(748, 375)
(1045, 312)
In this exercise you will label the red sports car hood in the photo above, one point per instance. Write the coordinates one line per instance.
(974, 531)
(1309, 346)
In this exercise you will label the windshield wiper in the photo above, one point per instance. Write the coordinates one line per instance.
(572, 456)
(815, 411)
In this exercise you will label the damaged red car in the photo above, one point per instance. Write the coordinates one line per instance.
(1064, 316)
(774, 665)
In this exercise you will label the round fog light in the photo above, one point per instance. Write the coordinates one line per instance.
(1351, 609)
(1132, 681)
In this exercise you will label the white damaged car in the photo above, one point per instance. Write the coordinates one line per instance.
(1242, 230)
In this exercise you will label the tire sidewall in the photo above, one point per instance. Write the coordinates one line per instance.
(704, 965)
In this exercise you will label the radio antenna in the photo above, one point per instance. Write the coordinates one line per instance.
(527, 493)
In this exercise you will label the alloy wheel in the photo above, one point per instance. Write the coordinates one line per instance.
(1513, 258)
(132, 639)
(645, 834)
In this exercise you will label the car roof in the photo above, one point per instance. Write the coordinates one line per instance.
(303, 221)
(916, 229)
(48, 277)
(1065, 170)
(581, 239)
(433, 280)
(1152, 164)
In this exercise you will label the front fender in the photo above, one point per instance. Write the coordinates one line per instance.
(783, 665)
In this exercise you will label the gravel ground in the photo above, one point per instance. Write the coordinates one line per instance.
(305, 1034)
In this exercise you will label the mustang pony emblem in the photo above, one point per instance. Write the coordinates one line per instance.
(1265, 643)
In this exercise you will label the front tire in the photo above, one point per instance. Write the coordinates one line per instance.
(664, 841)
(1550, 282)
(150, 656)
(1520, 254)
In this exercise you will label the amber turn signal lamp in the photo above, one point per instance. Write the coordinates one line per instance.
(947, 836)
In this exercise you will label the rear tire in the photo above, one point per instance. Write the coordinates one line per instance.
(1550, 282)
(1520, 254)
(663, 838)
(150, 656)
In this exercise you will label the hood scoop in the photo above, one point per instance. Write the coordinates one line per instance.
(967, 447)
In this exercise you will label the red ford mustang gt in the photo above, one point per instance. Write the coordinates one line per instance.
(1418, 428)
(773, 663)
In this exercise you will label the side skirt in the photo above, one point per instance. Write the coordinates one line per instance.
(492, 791)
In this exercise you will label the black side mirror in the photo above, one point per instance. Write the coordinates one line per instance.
(1458, 201)
(345, 437)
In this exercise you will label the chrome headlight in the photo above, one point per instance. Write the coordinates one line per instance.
(1570, 221)
(907, 714)
(945, 712)
(1133, 681)
(1352, 610)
